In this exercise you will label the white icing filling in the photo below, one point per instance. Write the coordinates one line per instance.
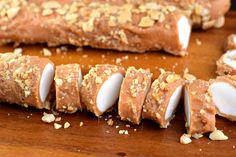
(184, 30)
(228, 58)
(224, 97)
(109, 92)
(187, 107)
(174, 100)
(46, 81)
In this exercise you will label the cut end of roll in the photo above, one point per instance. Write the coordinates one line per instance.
(184, 29)
(46, 81)
(173, 103)
(223, 95)
(187, 107)
(109, 92)
(229, 58)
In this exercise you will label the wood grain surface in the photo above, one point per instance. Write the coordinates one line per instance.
(22, 133)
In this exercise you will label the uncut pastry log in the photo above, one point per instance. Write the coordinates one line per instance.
(68, 80)
(133, 93)
(163, 98)
(199, 108)
(115, 25)
(223, 91)
(25, 80)
(101, 87)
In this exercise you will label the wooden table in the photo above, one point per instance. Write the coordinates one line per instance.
(22, 133)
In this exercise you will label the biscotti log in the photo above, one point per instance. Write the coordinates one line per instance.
(25, 80)
(230, 43)
(199, 109)
(227, 63)
(163, 98)
(68, 79)
(115, 25)
(101, 87)
(133, 93)
(223, 91)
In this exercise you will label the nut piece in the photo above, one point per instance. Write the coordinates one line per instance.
(48, 118)
(218, 135)
(57, 126)
(185, 139)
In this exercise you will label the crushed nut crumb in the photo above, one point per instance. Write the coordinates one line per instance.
(48, 118)
(66, 125)
(185, 139)
(57, 126)
(218, 135)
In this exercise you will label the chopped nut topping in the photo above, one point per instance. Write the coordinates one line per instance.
(189, 77)
(146, 22)
(185, 139)
(88, 26)
(51, 5)
(66, 125)
(47, 12)
(59, 82)
(12, 12)
(172, 78)
(48, 118)
(123, 36)
(57, 126)
(18, 51)
(218, 135)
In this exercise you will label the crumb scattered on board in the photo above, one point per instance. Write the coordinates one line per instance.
(57, 126)
(66, 125)
(218, 135)
(48, 118)
(185, 139)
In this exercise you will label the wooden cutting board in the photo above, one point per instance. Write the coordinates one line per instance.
(22, 133)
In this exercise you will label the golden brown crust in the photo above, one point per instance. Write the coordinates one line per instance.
(158, 97)
(122, 26)
(133, 93)
(20, 79)
(92, 83)
(67, 87)
(202, 110)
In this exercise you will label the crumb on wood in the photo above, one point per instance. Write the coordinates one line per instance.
(46, 52)
(81, 124)
(198, 41)
(218, 135)
(66, 125)
(57, 126)
(48, 118)
(110, 122)
(123, 132)
(185, 139)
